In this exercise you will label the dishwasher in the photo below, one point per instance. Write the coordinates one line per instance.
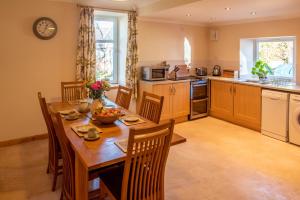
(275, 114)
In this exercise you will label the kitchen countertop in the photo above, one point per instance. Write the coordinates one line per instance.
(164, 82)
(290, 87)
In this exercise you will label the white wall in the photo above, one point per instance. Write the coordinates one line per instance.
(29, 65)
(159, 42)
(226, 51)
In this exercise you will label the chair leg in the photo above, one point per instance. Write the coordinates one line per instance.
(61, 195)
(54, 180)
(48, 170)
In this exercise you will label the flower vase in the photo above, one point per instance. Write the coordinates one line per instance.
(97, 104)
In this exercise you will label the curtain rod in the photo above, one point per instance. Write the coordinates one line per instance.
(105, 9)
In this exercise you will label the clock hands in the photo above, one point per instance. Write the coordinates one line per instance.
(44, 28)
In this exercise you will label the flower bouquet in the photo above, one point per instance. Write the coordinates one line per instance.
(96, 92)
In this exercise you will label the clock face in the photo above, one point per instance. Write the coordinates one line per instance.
(44, 28)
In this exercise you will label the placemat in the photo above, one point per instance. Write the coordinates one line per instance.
(176, 139)
(122, 144)
(75, 129)
(140, 121)
(63, 112)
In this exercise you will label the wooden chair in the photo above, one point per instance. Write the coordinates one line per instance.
(151, 106)
(124, 97)
(71, 91)
(68, 155)
(54, 152)
(143, 173)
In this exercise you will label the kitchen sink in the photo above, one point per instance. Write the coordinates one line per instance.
(255, 81)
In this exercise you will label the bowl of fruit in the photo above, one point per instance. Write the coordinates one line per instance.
(107, 115)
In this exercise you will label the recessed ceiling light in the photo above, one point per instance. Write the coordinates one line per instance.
(227, 8)
(188, 15)
(253, 13)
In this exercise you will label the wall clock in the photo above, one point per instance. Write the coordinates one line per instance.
(44, 28)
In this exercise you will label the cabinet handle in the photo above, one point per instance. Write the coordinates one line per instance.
(174, 91)
(170, 90)
(230, 89)
(234, 89)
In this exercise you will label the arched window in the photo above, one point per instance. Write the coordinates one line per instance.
(187, 52)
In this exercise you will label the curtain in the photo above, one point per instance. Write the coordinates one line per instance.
(86, 47)
(132, 57)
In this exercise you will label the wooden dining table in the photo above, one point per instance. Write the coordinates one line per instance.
(98, 154)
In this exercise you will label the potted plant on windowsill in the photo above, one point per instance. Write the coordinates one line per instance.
(261, 69)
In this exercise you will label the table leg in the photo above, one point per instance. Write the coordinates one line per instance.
(81, 180)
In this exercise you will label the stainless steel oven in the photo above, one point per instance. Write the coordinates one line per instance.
(199, 98)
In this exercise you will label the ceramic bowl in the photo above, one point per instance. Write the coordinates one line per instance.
(106, 119)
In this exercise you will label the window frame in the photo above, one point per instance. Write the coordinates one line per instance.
(277, 39)
(115, 41)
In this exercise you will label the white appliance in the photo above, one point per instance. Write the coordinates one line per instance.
(294, 125)
(275, 114)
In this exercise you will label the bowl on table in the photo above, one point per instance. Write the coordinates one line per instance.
(107, 115)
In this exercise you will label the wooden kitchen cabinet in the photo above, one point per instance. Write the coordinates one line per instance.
(236, 103)
(181, 100)
(221, 99)
(164, 90)
(176, 98)
(247, 105)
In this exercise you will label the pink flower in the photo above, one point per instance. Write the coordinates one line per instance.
(99, 83)
(95, 86)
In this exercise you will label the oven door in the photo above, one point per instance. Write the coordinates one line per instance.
(199, 108)
(199, 91)
(158, 74)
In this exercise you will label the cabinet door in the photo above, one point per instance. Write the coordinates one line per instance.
(221, 99)
(164, 90)
(181, 99)
(247, 105)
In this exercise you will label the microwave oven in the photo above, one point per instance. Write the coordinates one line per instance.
(155, 73)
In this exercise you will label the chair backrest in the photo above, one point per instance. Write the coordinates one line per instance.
(71, 91)
(54, 147)
(144, 170)
(124, 96)
(68, 187)
(151, 106)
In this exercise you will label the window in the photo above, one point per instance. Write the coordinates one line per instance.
(279, 53)
(187, 52)
(106, 30)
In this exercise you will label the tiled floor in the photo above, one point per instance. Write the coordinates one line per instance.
(219, 161)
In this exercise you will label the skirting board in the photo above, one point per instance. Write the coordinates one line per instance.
(23, 140)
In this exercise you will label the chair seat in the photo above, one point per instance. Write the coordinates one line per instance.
(113, 181)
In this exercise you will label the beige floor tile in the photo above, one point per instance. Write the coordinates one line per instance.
(219, 161)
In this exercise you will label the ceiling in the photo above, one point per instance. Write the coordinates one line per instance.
(205, 12)
(126, 5)
(212, 12)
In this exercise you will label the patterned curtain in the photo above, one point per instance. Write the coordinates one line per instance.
(86, 48)
(132, 57)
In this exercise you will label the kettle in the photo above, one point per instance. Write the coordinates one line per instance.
(216, 70)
